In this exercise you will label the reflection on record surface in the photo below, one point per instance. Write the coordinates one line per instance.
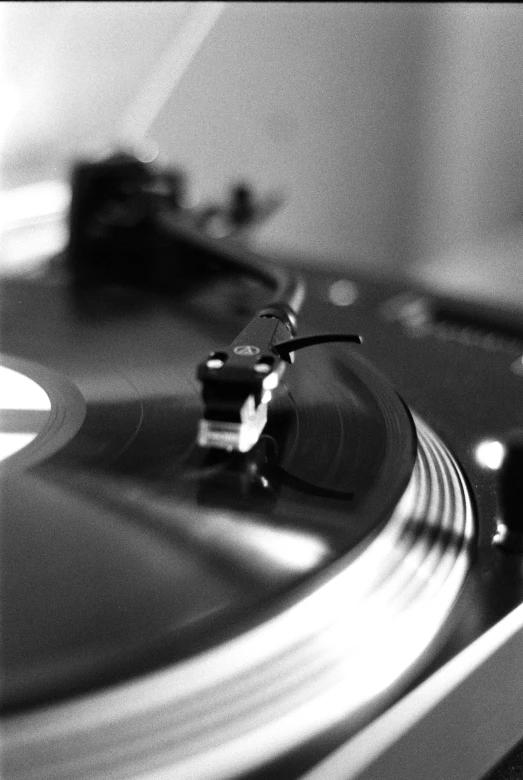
(130, 546)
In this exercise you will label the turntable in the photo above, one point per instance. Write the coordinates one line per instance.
(256, 524)
(252, 522)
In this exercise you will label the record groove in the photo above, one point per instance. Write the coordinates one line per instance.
(170, 609)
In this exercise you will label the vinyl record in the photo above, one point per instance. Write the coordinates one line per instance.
(92, 505)
(238, 583)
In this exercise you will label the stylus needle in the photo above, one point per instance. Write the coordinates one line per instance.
(238, 381)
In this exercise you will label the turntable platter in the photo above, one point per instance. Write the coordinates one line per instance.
(132, 552)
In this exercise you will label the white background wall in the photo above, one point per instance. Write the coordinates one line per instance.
(395, 131)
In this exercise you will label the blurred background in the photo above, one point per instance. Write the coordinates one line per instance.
(394, 132)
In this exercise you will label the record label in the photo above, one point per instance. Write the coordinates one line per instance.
(24, 410)
(40, 411)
